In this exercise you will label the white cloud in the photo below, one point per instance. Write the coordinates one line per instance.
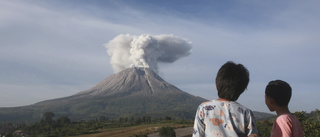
(51, 42)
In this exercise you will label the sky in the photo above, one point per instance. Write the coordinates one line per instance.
(52, 49)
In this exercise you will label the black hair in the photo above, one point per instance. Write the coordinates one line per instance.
(280, 91)
(232, 79)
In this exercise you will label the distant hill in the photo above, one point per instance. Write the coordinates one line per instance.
(130, 93)
(262, 115)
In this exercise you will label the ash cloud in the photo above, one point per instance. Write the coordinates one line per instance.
(145, 50)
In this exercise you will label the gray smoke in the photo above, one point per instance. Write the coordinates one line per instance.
(145, 50)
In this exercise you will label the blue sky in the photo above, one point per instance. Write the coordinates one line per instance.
(52, 49)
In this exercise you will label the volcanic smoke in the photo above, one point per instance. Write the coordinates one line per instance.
(145, 50)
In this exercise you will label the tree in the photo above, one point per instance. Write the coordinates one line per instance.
(9, 134)
(167, 132)
(63, 121)
(48, 117)
(42, 122)
(264, 128)
(138, 120)
(103, 119)
(317, 115)
(301, 115)
(120, 119)
(311, 126)
(167, 118)
(143, 119)
(148, 119)
(131, 120)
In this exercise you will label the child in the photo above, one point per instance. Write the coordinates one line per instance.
(224, 117)
(277, 97)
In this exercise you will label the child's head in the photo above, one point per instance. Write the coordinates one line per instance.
(279, 91)
(232, 79)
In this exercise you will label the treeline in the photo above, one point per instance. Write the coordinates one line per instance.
(310, 123)
(63, 126)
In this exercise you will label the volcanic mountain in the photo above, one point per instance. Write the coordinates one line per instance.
(130, 93)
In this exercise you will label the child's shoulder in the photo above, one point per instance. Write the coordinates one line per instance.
(239, 105)
(287, 117)
(225, 104)
(206, 103)
(211, 103)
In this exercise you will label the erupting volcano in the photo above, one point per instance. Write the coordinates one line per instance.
(135, 90)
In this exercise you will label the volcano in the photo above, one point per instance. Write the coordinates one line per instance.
(133, 82)
(132, 92)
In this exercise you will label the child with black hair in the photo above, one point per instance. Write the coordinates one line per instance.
(225, 117)
(277, 98)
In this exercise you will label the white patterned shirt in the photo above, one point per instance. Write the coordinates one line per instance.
(224, 119)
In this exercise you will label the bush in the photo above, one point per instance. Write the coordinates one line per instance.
(167, 132)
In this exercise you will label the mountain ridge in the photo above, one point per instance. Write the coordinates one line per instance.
(133, 92)
(129, 78)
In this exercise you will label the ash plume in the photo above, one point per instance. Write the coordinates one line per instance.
(145, 51)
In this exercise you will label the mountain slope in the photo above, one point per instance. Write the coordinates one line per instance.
(131, 81)
(132, 92)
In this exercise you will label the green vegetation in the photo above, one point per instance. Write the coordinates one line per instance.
(167, 132)
(112, 107)
(62, 126)
(310, 123)
(134, 126)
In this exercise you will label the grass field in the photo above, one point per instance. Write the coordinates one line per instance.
(130, 131)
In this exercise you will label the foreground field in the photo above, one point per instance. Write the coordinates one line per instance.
(151, 129)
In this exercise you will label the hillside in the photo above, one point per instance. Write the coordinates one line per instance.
(133, 92)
